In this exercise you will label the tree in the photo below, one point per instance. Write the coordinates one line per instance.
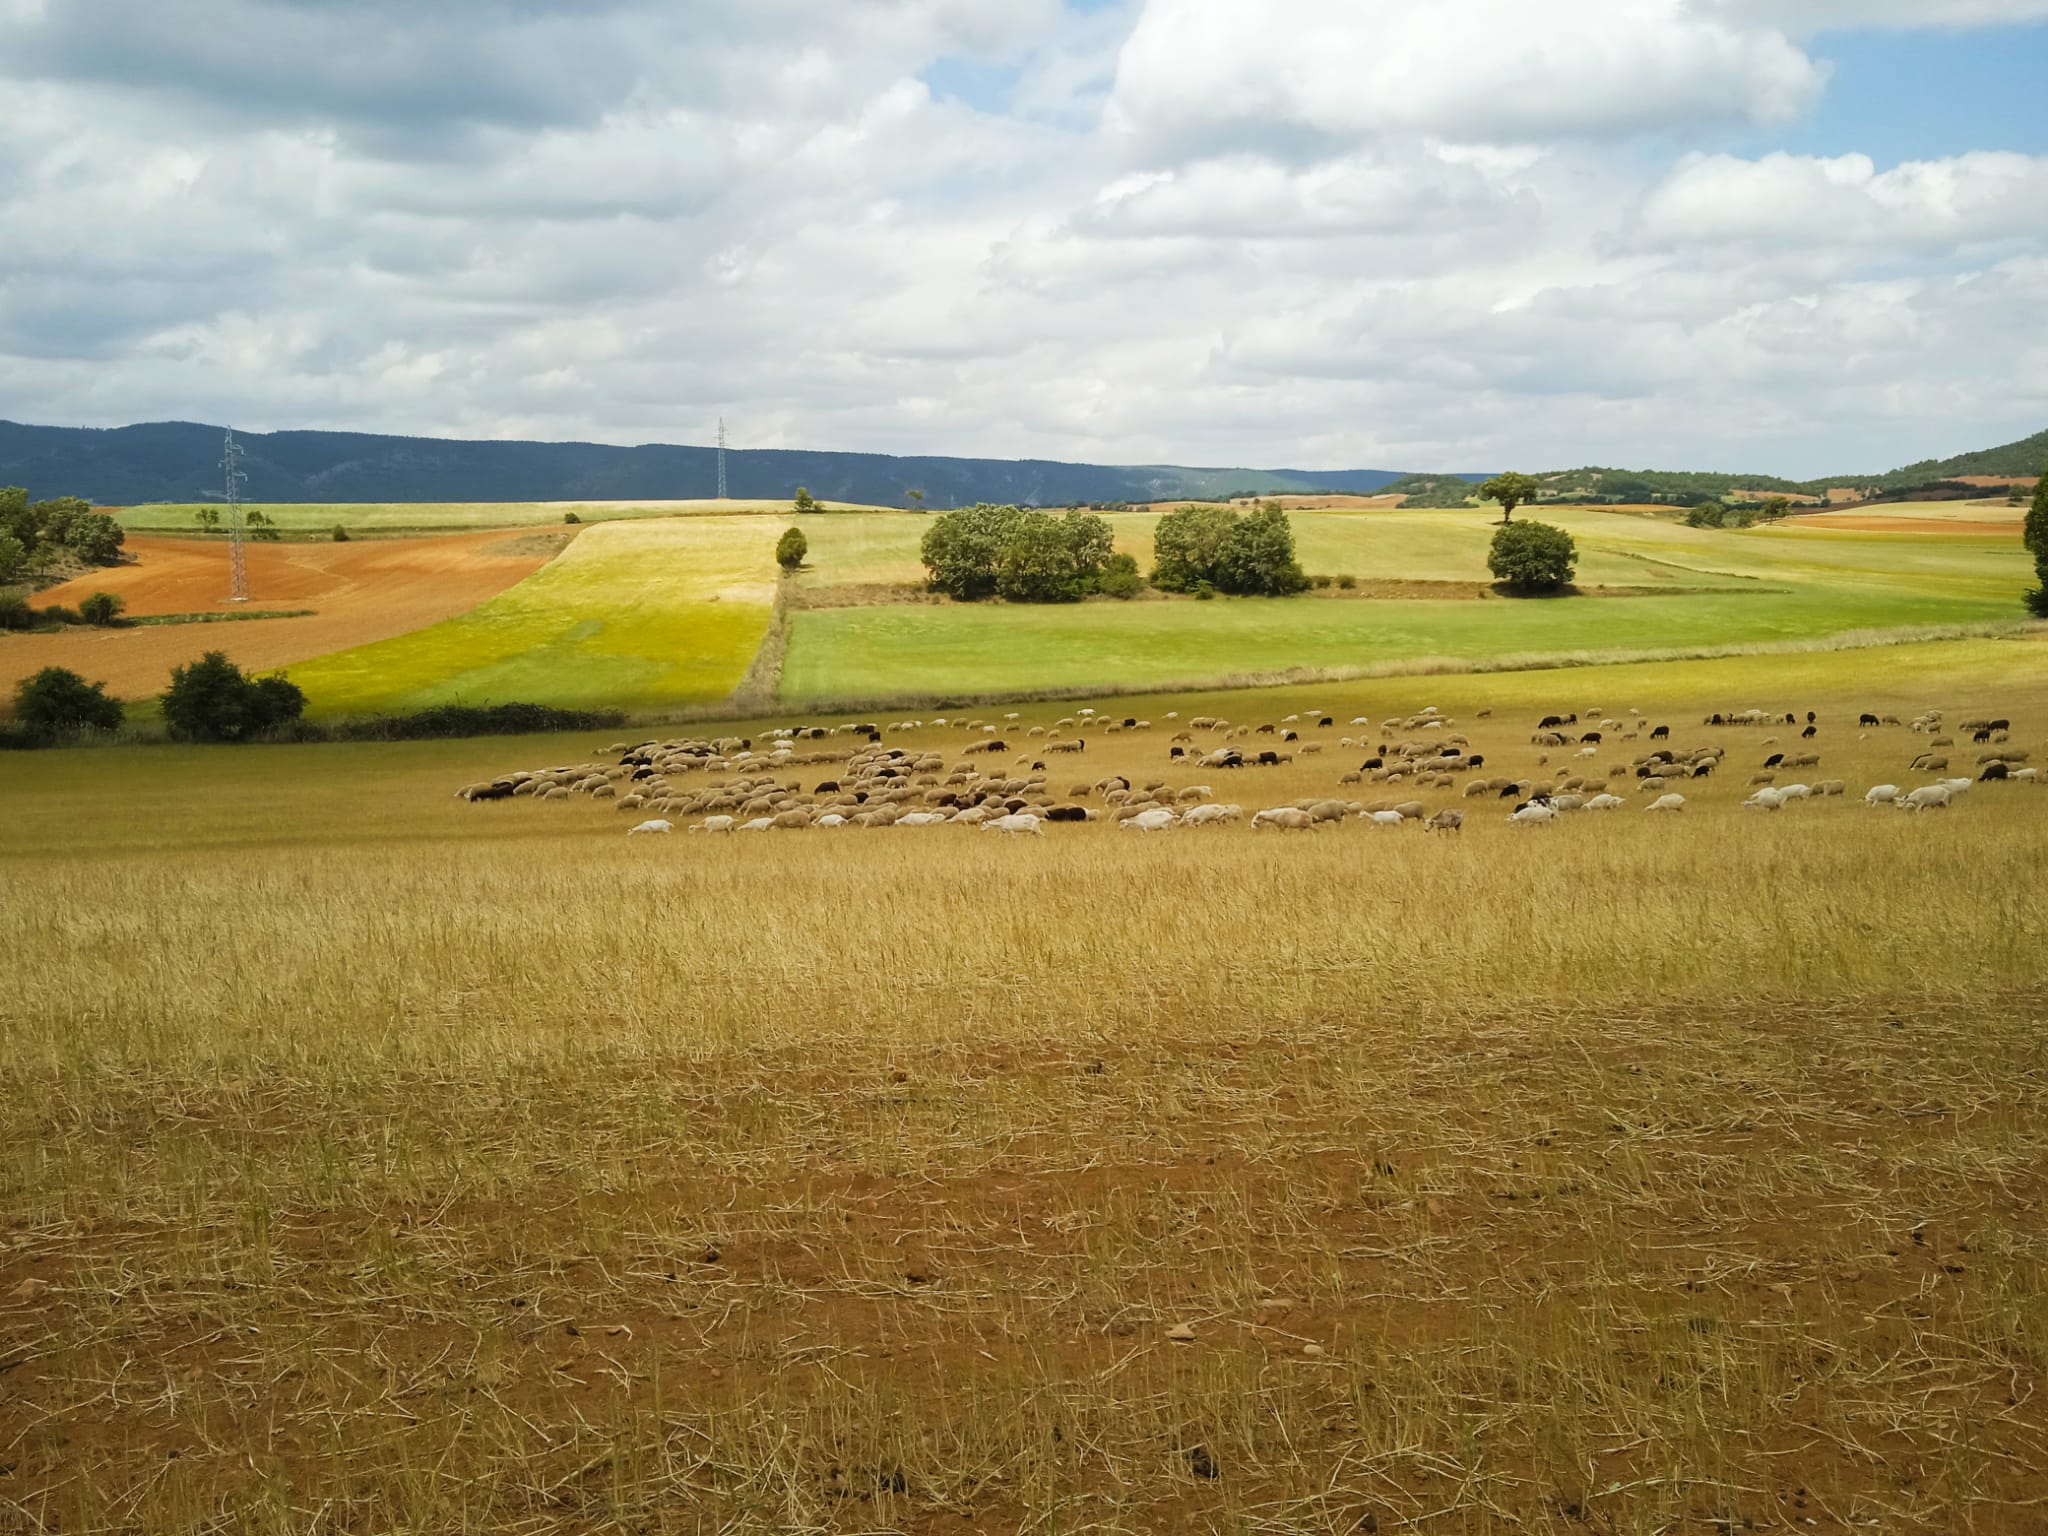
(1532, 557)
(212, 699)
(1034, 565)
(2036, 533)
(1249, 555)
(16, 520)
(261, 525)
(102, 608)
(339, 534)
(791, 548)
(1707, 514)
(1187, 545)
(916, 499)
(1510, 490)
(1776, 507)
(1257, 558)
(58, 702)
(803, 502)
(13, 558)
(207, 518)
(962, 549)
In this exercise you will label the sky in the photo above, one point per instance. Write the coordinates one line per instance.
(1792, 236)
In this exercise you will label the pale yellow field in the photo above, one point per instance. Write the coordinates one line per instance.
(370, 1160)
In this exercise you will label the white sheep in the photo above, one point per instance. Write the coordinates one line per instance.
(714, 824)
(1150, 821)
(1285, 817)
(1535, 813)
(1020, 822)
(1667, 803)
(1881, 794)
(1766, 799)
(1211, 815)
(1795, 792)
(1605, 803)
(1928, 797)
(656, 825)
(830, 819)
(758, 824)
(1384, 818)
(921, 819)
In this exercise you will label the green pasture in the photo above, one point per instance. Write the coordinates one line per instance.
(1762, 586)
(634, 615)
(375, 518)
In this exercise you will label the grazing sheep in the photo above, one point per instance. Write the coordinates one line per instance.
(714, 824)
(1157, 820)
(830, 819)
(1534, 813)
(1211, 815)
(758, 824)
(1795, 792)
(1668, 803)
(1766, 800)
(1445, 821)
(1605, 803)
(1285, 817)
(1015, 822)
(656, 825)
(1384, 818)
(1929, 797)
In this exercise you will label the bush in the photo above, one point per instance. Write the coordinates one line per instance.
(1120, 578)
(212, 699)
(1321, 583)
(1532, 557)
(445, 721)
(1347, 582)
(13, 557)
(791, 548)
(340, 534)
(102, 609)
(262, 525)
(803, 502)
(571, 517)
(15, 612)
(57, 613)
(1204, 592)
(57, 702)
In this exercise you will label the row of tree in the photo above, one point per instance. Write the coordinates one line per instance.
(32, 531)
(210, 699)
(1217, 549)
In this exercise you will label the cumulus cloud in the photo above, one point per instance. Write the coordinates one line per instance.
(1316, 233)
(1300, 78)
(1845, 203)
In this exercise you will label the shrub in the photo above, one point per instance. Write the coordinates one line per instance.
(804, 502)
(58, 702)
(212, 699)
(571, 517)
(1204, 592)
(1347, 582)
(57, 613)
(13, 557)
(340, 534)
(1120, 577)
(102, 608)
(1320, 583)
(15, 612)
(1532, 557)
(262, 525)
(791, 548)
(1026, 557)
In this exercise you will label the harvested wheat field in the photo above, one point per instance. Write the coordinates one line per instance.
(371, 1160)
(358, 592)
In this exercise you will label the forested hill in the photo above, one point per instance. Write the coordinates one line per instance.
(180, 461)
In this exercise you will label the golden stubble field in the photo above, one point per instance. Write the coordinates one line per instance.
(375, 1161)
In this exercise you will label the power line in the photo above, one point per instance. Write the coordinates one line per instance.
(721, 458)
(238, 562)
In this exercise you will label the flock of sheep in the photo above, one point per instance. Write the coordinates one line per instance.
(726, 784)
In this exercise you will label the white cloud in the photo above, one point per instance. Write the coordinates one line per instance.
(1323, 234)
(1804, 17)
(1845, 204)
(1300, 78)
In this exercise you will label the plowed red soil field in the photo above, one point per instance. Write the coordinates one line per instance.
(370, 589)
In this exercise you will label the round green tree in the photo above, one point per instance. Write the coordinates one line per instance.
(102, 608)
(58, 702)
(1532, 557)
(791, 548)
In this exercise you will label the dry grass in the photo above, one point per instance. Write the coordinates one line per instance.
(376, 1162)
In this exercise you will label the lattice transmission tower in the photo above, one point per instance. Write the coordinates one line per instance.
(238, 560)
(721, 458)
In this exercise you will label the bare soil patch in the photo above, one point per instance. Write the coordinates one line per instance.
(360, 591)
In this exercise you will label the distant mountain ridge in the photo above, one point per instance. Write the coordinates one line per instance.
(180, 462)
